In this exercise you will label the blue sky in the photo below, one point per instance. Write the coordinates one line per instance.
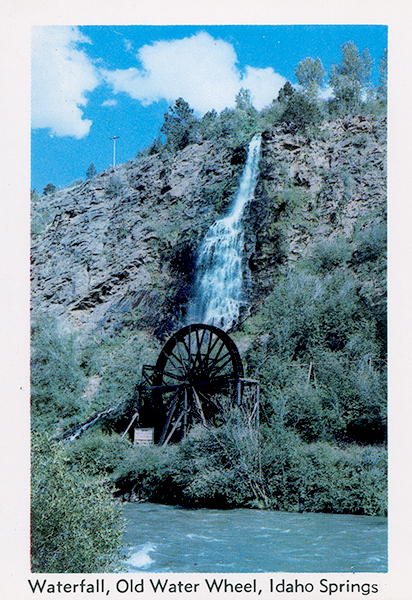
(92, 83)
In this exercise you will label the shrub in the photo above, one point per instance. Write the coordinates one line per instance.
(99, 454)
(49, 189)
(75, 527)
(57, 380)
(329, 254)
(319, 477)
(115, 187)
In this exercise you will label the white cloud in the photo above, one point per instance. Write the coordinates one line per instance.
(264, 85)
(61, 76)
(111, 102)
(128, 46)
(200, 69)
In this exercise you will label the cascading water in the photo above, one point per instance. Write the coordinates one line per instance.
(219, 286)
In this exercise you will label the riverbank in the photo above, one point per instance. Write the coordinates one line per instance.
(221, 468)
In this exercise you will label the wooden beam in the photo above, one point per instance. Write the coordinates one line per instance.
(175, 426)
(130, 424)
(169, 418)
(202, 415)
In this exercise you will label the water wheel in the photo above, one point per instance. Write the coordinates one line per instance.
(198, 366)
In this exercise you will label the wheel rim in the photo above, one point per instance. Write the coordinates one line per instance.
(196, 364)
(199, 355)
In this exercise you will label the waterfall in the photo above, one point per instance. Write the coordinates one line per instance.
(219, 289)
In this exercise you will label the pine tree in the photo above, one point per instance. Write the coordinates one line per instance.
(49, 189)
(179, 125)
(91, 171)
(350, 79)
(310, 74)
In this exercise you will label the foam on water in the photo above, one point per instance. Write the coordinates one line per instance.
(141, 559)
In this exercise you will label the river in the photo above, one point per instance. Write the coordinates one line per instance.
(167, 539)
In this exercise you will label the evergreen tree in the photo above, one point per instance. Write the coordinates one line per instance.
(91, 171)
(286, 92)
(243, 101)
(179, 125)
(350, 78)
(49, 189)
(34, 196)
(310, 74)
(208, 124)
(247, 114)
(301, 112)
(383, 77)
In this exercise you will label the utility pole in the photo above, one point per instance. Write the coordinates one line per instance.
(114, 138)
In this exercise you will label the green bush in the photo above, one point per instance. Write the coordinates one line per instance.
(100, 454)
(223, 468)
(115, 187)
(319, 477)
(75, 526)
(57, 380)
(329, 254)
(146, 475)
(209, 470)
(321, 320)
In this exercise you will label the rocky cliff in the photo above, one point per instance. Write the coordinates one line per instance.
(119, 249)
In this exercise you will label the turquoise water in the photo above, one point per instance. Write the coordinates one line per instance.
(176, 540)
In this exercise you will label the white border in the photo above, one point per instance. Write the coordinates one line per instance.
(16, 19)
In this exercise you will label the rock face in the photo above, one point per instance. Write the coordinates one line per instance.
(121, 247)
(314, 189)
(124, 241)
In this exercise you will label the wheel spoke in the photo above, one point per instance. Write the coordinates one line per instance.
(197, 363)
(219, 365)
(215, 357)
(172, 375)
(210, 349)
(199, 356)
(179, 365)
(183, 361)
(187, 348)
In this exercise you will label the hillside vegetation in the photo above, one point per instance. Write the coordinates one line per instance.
(113, 267)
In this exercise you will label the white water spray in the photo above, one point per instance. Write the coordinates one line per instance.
(219, 288)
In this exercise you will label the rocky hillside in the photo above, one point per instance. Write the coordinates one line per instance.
(120, 248)
(113, 264)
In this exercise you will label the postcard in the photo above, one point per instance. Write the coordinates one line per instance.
(197, 347)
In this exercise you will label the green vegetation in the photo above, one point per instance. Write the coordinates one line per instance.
(49, 189)
(91, 171)
(350, 78)
(310, 74)
(352, 94)
(315, 340)
(75, 527)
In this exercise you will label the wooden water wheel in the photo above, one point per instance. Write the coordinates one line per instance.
(198, 366)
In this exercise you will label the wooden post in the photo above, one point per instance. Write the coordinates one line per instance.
(169, 418)
(130, 424)
(175, 426)
(202, 415)
(185, 414)
(309, 374)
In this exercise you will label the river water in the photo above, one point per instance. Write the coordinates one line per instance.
(176, 540)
